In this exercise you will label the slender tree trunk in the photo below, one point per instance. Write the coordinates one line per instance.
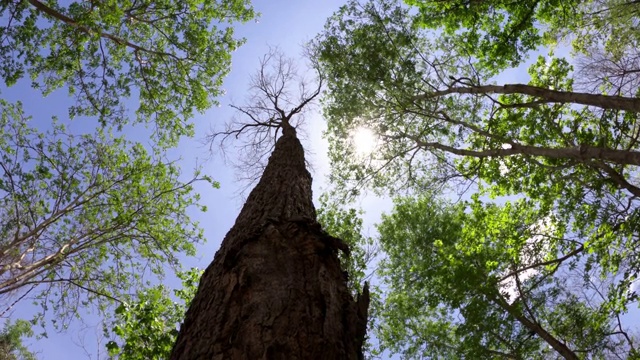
(583, 153)
(275, 289)
(547, 95)
(557, 345)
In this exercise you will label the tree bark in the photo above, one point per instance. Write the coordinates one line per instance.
(582, 154)
(548, 95)
(275, 289)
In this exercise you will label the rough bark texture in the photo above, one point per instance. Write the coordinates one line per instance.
(275, 289)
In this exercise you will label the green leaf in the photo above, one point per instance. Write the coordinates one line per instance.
(172, 55)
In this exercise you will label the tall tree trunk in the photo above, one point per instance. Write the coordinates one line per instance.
(275, 289)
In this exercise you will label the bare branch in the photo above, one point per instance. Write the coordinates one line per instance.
(555, 262)
(278, 99)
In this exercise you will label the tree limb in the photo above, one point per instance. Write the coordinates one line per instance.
(548, 95)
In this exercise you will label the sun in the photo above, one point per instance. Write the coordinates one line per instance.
(364, 140)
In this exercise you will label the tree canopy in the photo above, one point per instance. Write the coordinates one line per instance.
(565, 142)
(85, 218)
(480, 280)
(501, 33)
(170, 55)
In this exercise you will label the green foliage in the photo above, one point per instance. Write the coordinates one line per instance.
(147, 327)
(442, 124)
(172, 54)
(86, 217)
(346, 224)
(501, 32)
(367, 54)
(435, 131)
(606, 24)
(11, 347)
(452, 295)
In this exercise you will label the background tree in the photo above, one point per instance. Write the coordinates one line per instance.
(345, 223)
(443, 124)
(85, 218)
(275, 289)
(501, 33)
(576, 160)
(171, 55)
(504, 282)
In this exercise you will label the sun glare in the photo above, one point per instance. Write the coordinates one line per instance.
(364, 140)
